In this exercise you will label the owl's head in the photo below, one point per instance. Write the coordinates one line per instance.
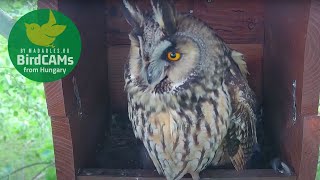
(169, 49)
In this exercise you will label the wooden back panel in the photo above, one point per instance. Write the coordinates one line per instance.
(241, 25)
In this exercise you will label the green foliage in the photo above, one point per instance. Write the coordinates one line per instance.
(17, 8)
(25, 128)
(318, 171)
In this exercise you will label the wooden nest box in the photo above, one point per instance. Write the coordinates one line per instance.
(280, 40)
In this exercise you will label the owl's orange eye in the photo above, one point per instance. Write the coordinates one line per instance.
(173, 56)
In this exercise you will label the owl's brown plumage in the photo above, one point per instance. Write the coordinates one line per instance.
(193, 112)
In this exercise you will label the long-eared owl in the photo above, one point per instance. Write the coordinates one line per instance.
(188, 97)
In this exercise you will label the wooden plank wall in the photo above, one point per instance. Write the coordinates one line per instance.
(310, 148)
(284, 53)
(240, 24)
(291, 53)
(61, 132)
(78, 103)
(310, 96)
(311, 76)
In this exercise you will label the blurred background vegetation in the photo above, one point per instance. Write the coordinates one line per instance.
(318, 172)
(26, 149)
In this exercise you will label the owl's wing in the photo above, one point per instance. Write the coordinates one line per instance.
(239, 59)
(241, 135)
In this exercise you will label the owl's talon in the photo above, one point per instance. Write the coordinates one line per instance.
(281, 167)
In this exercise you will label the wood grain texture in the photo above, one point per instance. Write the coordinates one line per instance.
(311, 74)
(286, 28)
(61, 131)
(261, 174)
(78, 104)
(236, 22)
(63, 148)
(55, 99)
(118, 56)
(53, 90)
(310, 148)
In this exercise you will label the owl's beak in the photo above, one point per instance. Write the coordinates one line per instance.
(156, 71)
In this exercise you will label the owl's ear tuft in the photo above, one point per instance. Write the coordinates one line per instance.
(132, 14)
(165, 14)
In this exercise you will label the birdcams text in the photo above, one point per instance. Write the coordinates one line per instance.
(57, 56)
(44, 60)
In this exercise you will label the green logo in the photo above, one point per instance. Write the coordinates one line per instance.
(44, 45)
(46, 34)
